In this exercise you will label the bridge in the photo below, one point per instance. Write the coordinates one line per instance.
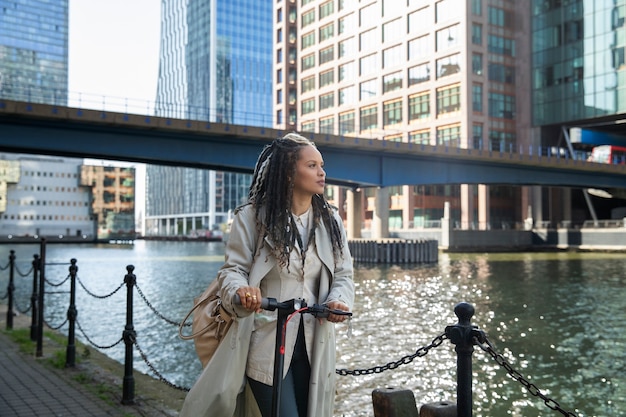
(34, 128)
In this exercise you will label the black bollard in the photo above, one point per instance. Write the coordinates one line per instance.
(33, 299)
(462, 335)
(128, 388)
(72, 313)
(10, 289)
(42, 282)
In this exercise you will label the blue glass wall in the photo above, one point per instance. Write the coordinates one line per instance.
(34, 50)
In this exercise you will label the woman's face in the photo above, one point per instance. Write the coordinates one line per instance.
(310, 175)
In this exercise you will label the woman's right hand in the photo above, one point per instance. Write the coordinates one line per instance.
(250, 298)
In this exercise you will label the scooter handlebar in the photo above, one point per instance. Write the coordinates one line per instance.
(317, 310)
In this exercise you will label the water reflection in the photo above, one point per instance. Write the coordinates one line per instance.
(557, 318)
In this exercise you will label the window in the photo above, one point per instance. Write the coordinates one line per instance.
(419, 106)
(448, 65)
(449, 135)
(477, 34)
(327, 78)
(346, 123)
(308, 18)
(392, 82)
(500, 17)
(477, 63)
(419, 21)
(501, 73)
(308, 106)
(419, 74)
(477, 136)
(369, 118)
(368, 64)
(500, 45)
(327, 32)
(448, 99)
(308, 84)
(392, 112)
(368, 40)
(327, 101)
(368, 89)
(477, 7)
(279, 96)
(345, 22)
(501, 106)
(392, 56)
(347, 48)
(279, 117)
(477, 98)
(326, 9)
(308, 62)
(308, 40)
(346, 71)
(420, 136)
(347, 95)
(368, 16)
(448, 37)
(308, 126)
(327, 125)
(448, 10)
(327, 54)
(279, 55)
(392, 30)
(420, 48)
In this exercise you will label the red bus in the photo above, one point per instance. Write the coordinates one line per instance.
(608, 154)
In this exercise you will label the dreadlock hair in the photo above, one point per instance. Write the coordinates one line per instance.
(271, 195)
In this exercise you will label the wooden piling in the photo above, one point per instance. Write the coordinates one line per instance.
(392, 402)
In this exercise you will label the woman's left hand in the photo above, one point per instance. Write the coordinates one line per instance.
(336, 318)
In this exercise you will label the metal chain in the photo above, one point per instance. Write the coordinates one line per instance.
(532, 388)
(6, 294)
(2, 268)
(153, 369)
(92, 343)
(55, 327)
(95, 295)
(23, 311)
(161, 316)
(17, 269)
(52, 284)
(393, 365)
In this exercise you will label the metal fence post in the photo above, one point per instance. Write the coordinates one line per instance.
(42, 282)
(128, 388)
(10, 290)
(33, 299)
(461, 335)
(70, 354)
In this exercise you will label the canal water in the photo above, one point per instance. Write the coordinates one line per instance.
(556, 318)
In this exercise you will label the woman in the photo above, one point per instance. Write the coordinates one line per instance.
(286, 243)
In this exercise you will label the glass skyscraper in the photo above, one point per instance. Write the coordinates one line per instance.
(34, 50)
(215, 65)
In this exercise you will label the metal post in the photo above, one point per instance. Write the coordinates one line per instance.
(461, 335)
(42, 282)
(10, 290)
(128, 388)
(70, 353)
(33, 299)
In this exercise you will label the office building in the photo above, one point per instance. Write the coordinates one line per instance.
(446, 73)
(33, 50)
(215, 65)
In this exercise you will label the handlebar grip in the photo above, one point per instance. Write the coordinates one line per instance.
(265, 302)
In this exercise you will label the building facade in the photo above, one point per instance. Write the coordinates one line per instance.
(446, 73)
(34, 50)
(215, 65)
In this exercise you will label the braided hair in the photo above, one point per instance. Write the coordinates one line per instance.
(271, 195)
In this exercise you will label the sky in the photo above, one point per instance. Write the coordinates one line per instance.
(114, 58)
(114, 48)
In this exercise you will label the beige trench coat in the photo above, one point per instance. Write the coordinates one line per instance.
(248, 260)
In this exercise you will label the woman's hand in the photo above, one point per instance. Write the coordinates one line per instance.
(336, 318)
(250, 298)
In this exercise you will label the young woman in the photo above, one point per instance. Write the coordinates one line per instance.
(287, 242)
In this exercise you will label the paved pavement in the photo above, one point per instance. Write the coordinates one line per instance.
(28, 389)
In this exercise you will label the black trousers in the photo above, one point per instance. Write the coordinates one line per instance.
(294, 397)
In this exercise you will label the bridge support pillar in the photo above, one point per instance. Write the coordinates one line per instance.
(354, 213)
(380, 220)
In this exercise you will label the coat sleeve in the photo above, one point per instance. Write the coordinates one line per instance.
(239, 256)
(342, 286)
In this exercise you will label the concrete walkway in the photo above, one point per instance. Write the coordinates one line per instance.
(28, 389)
